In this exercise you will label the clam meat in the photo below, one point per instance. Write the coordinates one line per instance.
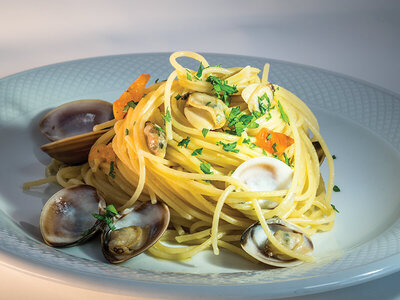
(205, 111)
(255, 242)
(136, 230)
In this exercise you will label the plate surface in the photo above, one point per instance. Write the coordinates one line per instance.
(360, 123)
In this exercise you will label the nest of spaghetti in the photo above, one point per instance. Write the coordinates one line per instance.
(234, 157)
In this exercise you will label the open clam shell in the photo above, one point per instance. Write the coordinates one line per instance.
(66, 218)
(135, 231)
(255, 242)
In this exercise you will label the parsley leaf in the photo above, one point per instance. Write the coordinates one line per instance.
(283, 114)
(197, 152)
(252, 145)
(184, 142)
(126, 131)
(239, 128)
(253, 125)
(230, 147)
(128, 105)
(288, 161)
(336, 188)
(334, 208)
(204, 131)
(159, 129)
(199, 71)
(107, 218)
(274, 147)
(333, 156)
(206, 168)
(188, 75)
(246, 141)
(233, 116)
(222, 89)
(167, 117)
(112, 171)
(177, 97)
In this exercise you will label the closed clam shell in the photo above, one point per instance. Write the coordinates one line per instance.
(75, 118)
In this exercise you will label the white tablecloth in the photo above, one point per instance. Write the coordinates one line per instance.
(355, 38)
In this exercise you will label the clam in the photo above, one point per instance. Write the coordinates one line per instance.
(70, 127)
(66, 218)
(155, 139)
(258, 93)
(205, 111)
(135, 231)
(264, 174)
(255, 243)
(320, 152)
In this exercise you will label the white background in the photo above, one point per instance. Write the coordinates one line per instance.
(356, 38)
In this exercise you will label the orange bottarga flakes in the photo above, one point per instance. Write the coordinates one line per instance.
(134, 93)
(273, 142)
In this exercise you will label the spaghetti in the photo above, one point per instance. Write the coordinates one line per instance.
(209, 207)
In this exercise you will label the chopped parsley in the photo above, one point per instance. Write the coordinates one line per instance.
(144, 95)
(177, 97)
(222, 89)
(234, 116)
(334, 208)
(240, 121)
(204, 131)
(205, 168)
(128, 105)
(184, 142)
(274, 147)
(157, 80)
(334, 156)
(246, 141)
(199, 71)
(239, 128)
(288, 161)
(159, 129)
(112, 171)
(265, 108)
(126, 131)
(252, 145)
(188, 75)
(283, 114)
(268, 136)
(264, 152)
(107, 218)
(167, 116)
(230, 147)
(197, 152)
(336, 188)
(253, 125)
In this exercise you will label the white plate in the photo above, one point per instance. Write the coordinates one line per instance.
(360, 123)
